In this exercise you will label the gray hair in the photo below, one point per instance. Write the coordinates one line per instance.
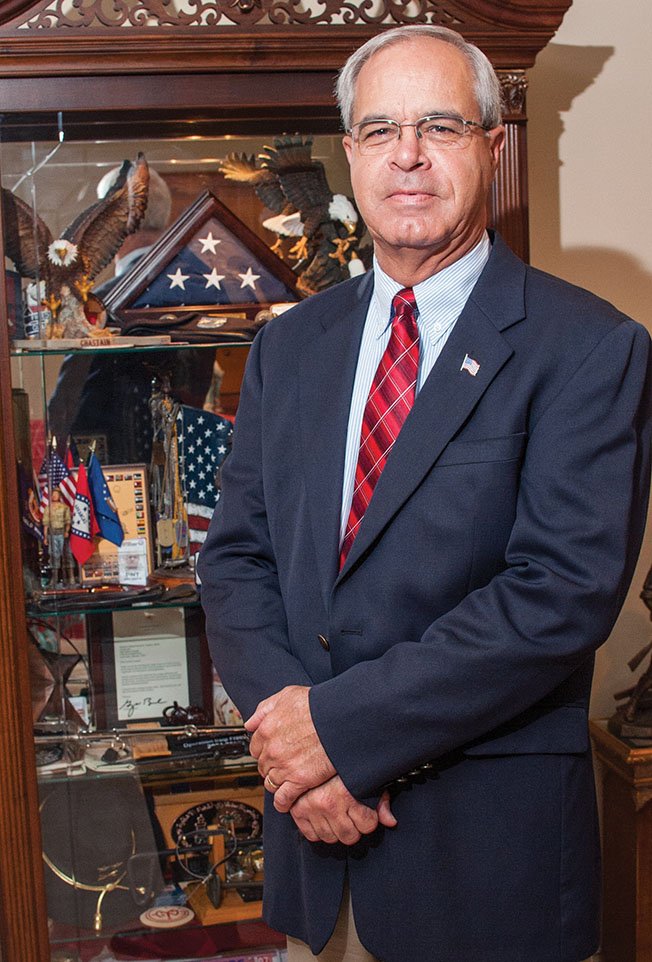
(487, 86)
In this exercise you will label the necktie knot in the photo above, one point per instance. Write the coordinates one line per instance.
(404, 315)
(404, 302)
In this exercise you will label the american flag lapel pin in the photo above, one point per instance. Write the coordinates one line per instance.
(470, 366)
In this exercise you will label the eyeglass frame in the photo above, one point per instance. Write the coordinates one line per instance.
(416, 123)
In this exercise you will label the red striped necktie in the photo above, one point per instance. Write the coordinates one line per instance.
(390, 400)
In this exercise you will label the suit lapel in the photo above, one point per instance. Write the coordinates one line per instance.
(449, 395)
(327, 372)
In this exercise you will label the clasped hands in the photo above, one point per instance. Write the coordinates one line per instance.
(301, 776)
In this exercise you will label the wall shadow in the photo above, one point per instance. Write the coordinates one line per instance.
(561, 75)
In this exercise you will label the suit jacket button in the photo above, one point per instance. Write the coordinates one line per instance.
(323, 642)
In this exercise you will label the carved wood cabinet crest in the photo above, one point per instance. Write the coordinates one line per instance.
(51, 14)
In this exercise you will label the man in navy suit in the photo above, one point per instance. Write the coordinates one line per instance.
(416, 680)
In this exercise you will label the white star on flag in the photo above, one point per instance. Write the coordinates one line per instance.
(178, 279)
(209, 243)
(249, 279)
(213, 279)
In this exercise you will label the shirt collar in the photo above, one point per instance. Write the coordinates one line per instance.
(440, 299)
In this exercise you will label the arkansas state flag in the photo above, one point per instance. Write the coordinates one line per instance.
(84, 527)
(106, 512)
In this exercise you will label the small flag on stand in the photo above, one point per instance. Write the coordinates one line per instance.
(106, 512)
(55, 474)
(84, 524)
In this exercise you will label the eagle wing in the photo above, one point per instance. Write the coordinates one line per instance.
(243, 169)
(27, 237)
(99, 231)
(302, 179)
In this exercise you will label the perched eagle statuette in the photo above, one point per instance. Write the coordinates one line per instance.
(324, 228)
(65, 267)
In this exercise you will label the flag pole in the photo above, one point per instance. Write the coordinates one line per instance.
(91, 451)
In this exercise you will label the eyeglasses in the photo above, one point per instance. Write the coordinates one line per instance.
(436, 131)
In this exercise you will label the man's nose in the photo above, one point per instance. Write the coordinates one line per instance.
(409, 149)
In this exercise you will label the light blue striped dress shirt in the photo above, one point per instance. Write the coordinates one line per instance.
(440, 301)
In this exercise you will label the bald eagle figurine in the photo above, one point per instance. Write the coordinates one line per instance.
(325, 227)
(65, 267)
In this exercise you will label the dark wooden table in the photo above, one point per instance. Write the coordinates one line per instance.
(627, 846)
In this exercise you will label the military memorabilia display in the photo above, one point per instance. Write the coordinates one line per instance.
(200, 278)
(63, 269)
(51, 510)
(93, 873)
(170, 514)
(217, 839)
(131, 561)
(57, 521)
(188, 449)
(238, 809)
(324, 229)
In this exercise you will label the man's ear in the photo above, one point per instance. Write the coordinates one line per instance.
(496, 144)
(347, 143)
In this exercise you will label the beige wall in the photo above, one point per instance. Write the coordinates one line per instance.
(590, 144)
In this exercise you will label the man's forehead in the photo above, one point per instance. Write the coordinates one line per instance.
(426, 73)
(438, 52)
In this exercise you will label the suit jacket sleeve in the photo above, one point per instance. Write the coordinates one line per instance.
(519, 640)
(240, 589)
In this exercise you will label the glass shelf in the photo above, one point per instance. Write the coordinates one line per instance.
(131, 348)
(60, 609)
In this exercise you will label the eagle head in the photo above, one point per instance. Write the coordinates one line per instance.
(341, 208)
(62, 253)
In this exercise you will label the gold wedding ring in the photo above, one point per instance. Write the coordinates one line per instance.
(270, 785)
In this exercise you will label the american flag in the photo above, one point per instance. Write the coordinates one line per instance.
(53, 471)
(204, 442)
(214, 267)
(469, 365)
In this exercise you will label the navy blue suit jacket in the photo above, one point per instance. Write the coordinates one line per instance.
(491, 563)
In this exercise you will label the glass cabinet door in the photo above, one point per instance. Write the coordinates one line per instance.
(150, 806)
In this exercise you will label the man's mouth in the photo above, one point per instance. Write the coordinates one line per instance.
(410, 196)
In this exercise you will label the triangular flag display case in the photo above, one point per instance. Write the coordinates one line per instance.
(207, 269)
(94, 856)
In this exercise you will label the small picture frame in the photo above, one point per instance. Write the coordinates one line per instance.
(143, 660)
(133, 561)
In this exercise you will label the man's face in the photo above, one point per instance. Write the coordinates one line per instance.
(413, 200)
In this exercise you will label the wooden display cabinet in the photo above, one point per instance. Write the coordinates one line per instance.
(627, 847)
(92, 82)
